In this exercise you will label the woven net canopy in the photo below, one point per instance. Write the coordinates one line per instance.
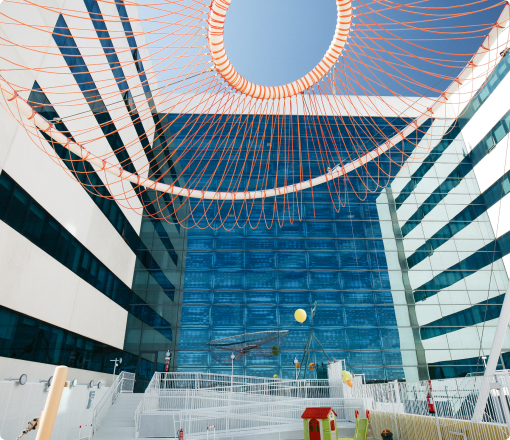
(140, 103)
(266, 343)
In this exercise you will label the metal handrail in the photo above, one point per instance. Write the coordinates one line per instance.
(123, 383)
(197, 400)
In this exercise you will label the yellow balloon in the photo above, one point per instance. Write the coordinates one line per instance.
(275, 376)
(346, 376)
(300, 315)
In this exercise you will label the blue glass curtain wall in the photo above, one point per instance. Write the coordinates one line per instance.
(247, 277)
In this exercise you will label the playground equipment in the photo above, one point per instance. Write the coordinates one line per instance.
(362, 428)
(311, 337)
(267, 343)
(319, 424)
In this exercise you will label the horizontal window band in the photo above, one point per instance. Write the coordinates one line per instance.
(50, 344)
(69, 50)
(498, 75)
(85, 173)
(22, 213)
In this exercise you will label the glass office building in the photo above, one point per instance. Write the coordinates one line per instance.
(237, 277)
(378, 308)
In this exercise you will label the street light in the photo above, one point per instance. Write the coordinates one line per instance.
(115, 365)
(232, 357)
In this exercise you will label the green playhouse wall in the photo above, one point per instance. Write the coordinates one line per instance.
(326, 430)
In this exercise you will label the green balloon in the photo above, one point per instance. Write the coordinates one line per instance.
(276, 350)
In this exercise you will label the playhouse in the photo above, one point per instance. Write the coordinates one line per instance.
(319, 424)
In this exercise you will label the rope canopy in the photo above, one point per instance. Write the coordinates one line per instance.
(150, 112)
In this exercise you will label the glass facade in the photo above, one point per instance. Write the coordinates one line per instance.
(29, 339)
(240, 277)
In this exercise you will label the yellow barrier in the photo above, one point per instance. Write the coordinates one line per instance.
(412, 427)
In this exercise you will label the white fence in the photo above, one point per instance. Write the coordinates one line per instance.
(259, 418)
(123, 383)
(234, 404)
(477, 407)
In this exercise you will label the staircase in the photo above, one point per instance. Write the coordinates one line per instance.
(119, 422)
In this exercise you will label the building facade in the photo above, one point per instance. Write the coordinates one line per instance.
(408, 276)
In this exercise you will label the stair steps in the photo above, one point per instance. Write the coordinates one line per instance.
(119, 422)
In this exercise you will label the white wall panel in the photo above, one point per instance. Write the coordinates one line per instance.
(466, 343)
(71, 206)
(37, 371)
(33, 283)
(494, 164)
(491, 111)
(474, 289)
(499, 215)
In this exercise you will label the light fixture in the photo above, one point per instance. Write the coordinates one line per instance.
(91, 384)
(99, 385)
(116, 363)
(74, 382)
(48, 382)
(22, 379)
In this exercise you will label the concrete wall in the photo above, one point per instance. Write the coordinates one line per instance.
(21, 403)
(37, 371)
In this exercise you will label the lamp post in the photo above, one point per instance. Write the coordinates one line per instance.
(232, 357)
(115, 365)
(296, 362)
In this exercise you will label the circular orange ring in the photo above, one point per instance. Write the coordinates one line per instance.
(222, 64)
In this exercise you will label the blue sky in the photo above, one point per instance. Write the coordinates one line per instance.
(274, 42)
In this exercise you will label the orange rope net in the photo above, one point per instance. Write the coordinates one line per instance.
(140, 104)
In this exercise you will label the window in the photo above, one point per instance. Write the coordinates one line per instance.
(21, 212)
(27, 338)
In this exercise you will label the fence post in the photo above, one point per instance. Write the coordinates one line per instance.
(503, 401)
(397, 405)
(440, 437)
(492, 363)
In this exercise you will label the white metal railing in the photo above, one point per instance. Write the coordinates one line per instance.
(276, 416)
(198, 400)
(123, 383)
(455, 402)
